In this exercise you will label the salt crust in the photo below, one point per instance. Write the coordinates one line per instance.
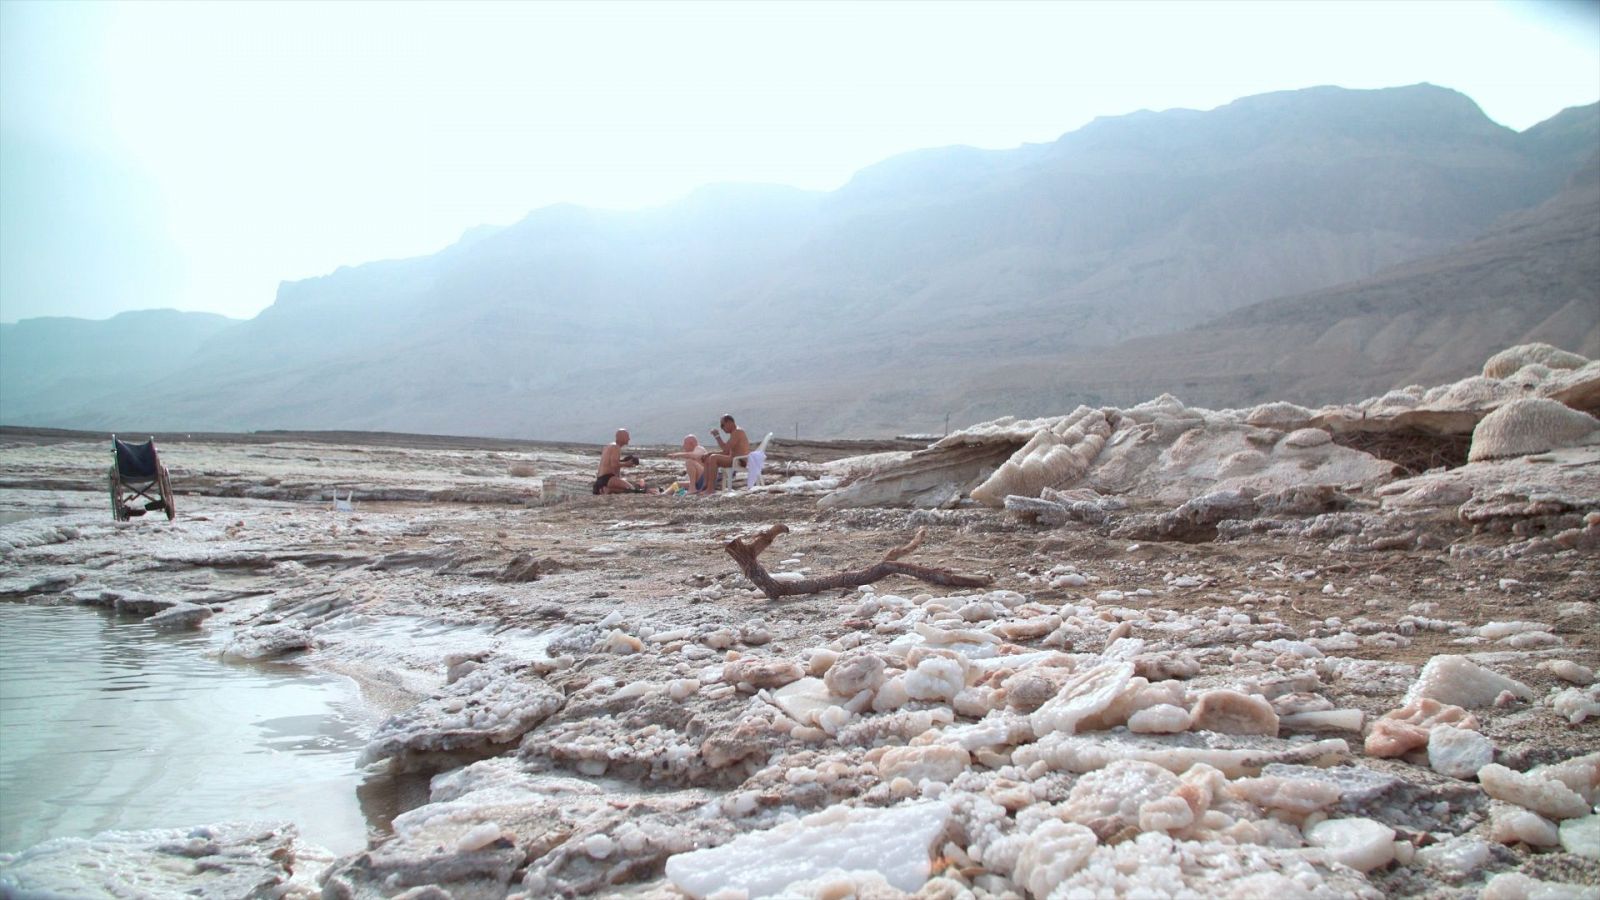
(212, 861)
(1156, 865)
(893, 843)
(1517, 886)
(1234, 756)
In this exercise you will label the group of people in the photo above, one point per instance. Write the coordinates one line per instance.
(701, 464)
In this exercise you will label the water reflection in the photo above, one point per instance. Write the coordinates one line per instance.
(107, 724)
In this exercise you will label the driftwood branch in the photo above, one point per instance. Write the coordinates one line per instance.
(745, 552)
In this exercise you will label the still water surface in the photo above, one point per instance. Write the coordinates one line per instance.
(106, 723)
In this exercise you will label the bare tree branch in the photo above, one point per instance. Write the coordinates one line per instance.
(745, 552)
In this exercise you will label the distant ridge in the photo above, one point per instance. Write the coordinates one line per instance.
(951, 279)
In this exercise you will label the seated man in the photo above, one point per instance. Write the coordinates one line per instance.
(737, 444)
(693, 455)
(609, 480)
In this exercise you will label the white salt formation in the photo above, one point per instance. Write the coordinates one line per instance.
(1531, 425)
(894, 843)
(1513, 359)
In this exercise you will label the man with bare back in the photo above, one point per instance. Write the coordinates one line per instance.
(737, 444)
(609, 479)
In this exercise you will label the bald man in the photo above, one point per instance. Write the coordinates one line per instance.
(692, 455)
(609, 480)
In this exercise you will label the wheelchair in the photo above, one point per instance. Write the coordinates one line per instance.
(136, 474)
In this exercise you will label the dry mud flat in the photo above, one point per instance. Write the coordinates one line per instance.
(1317, 679)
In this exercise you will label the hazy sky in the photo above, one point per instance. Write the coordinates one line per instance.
(194, 155)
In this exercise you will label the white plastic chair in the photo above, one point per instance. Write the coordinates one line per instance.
(748, 465)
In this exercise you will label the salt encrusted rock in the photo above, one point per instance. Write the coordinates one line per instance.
(1083, 695)
(1459, 681)
(267, 641)
(1517, 886)
(1402, 730)
(1577, 704)
(893, 842)
(1458, 752)
(489, 706)
(1109, 799)
(211, 861)
(1361, 844)
(1230, 712)
(804, 700)
(1234, 756)
(1420, 801)
(855, 671)
(1531, 425)
(1055, 456)
(1512, 359)
(935, 676)
(1163, 718)
(1580, 773)
(1457, 858)
(1052, 852)
(1156, 865)
(1304, 438)
(1295, 795)
(762, 673)
(1545, 796)
(1511, 824)
(179, 616)
(933, 762)
(1323, 720)
(1581, 836)
(1569, 671)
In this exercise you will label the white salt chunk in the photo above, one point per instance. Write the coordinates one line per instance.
(1546, 797)
(1083, 695)
(598, 846)
(1459, 681)
(1581, 836)
(893, 843)
(1361, 844)
(1458, 857)
(1458, 752)
(1517, 886)
(1052, 852)
(1163, 718)
(1569, 671)
(478, 837)
(1577, 704)
(1511, 824)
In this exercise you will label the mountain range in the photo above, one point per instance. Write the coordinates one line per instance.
(1312, 245)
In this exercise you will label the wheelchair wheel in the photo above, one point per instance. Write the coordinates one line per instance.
(118, 514)
(166, 494)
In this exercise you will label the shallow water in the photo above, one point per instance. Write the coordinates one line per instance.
(108, 724)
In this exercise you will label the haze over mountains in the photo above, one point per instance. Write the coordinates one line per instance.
(1311, 245)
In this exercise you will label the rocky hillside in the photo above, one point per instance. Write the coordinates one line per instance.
(909, 292)
(49, 365)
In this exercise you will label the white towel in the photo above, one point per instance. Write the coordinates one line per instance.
(753, 467)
